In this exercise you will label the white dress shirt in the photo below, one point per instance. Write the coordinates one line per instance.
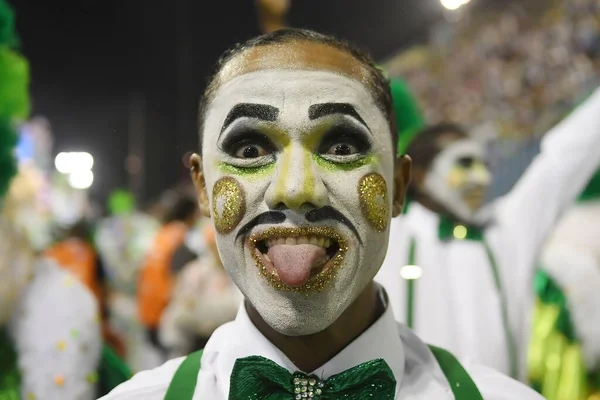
(417, 373)
(457, 283)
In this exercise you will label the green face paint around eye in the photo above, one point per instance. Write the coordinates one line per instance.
(251, 172)
(348, 166)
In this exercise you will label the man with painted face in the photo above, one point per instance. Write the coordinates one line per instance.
(298, 169)
(460, 274)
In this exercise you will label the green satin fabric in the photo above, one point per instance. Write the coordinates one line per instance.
(10, 377)
(255, 378)
(556, 364)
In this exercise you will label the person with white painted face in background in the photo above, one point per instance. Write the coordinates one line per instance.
(299, 173)
(460, 274)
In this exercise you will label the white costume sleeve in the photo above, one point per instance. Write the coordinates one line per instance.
(57, 336)
(567, 161)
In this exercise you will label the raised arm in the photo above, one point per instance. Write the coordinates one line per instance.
(569, 156)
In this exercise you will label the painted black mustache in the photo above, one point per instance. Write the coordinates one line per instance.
(316, 215)
(269, 217)
(327, 213)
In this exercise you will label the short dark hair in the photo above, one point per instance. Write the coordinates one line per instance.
(378, 82)
(428, 143)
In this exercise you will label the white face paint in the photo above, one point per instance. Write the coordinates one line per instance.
(313, 139)
(458, 178)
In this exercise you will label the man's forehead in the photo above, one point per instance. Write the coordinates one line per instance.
(295, 55)
(293, 98)
(293, 88)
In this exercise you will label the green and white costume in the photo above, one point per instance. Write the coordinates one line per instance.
(392, 357)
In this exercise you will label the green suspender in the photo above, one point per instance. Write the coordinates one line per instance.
(184, 382)
(460, 382)
(510, 340)
(410, 303)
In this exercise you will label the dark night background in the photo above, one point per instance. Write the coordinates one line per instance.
(116, 77)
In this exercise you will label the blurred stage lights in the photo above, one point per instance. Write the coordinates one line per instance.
(81, 179)
(78, 167)
(453, 5)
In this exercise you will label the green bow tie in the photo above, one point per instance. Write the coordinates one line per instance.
(255, 378)
(10, 378)
(450, 230)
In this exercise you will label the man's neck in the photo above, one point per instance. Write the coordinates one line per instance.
(312, 351)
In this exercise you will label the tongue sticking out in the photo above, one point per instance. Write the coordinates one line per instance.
(294, 262)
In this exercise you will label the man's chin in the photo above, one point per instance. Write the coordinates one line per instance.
(296, 314)
(296, 322)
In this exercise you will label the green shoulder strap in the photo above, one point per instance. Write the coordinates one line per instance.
(460, 382)
(184, 382)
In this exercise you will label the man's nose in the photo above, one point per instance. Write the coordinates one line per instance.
(296, 183)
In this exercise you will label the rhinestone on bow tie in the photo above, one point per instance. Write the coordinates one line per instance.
(307, 387)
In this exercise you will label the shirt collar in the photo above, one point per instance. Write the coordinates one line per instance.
(380, 340)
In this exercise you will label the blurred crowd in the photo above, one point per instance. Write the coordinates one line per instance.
(154, 270)
(511, 72)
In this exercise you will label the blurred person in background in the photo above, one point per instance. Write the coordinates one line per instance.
(123, 239)
(155, 281)
(564, 355)
(204, 298)
(75, 251)
(50, 340)
(472, 266)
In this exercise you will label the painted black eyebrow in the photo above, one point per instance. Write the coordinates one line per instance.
(321, 110)
(263, 112)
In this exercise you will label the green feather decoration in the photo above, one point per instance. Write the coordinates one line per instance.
(14, 85)
(8, 37)
(8, 164)
(14, 94)
(409, 118)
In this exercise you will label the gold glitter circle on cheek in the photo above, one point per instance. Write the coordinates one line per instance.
(228, 204)
(372, 192)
